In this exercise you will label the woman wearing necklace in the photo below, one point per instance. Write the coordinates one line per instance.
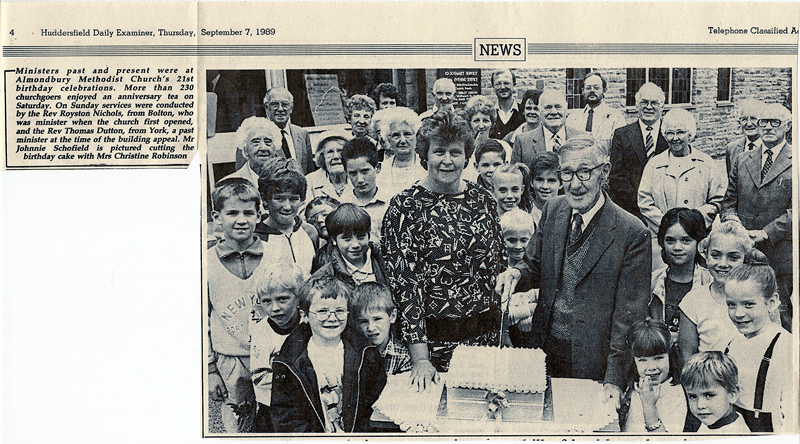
(398, 126)
(331, 179)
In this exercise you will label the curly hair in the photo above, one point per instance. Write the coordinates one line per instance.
(444, 127)
(480, 105)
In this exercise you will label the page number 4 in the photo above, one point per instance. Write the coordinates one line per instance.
(11, 32)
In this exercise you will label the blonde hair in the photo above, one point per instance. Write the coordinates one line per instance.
(516, 219)
(729, 228)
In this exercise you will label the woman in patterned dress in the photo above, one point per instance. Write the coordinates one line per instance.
(444, 252)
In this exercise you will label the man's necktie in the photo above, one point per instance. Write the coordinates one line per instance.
(575, 232)
(589, 121)
(649, 146)
(556, 143)
(750, 146)
(285, 145)
(767, 164)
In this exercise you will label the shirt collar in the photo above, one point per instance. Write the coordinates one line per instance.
(225, 250)
(775, 150)
(391, 349)
(366, 269)
(656, 128)
(589, 215)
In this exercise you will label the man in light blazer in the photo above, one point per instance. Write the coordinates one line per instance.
(760, 194)
(295, 142)
(552, 133)
(748, 118)
(596, 117)
(593, 271)
(629, 153)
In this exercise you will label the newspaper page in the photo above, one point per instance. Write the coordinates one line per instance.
(124, 88)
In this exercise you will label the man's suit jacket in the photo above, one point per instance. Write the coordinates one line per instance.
(302, 148)
(764, 205)
(733, 149)
(528, 145)
(613, 288)
(628, 158)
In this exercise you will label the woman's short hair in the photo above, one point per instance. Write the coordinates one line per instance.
(444, 127)
(360, 102)
(729, 227)
(386, 90)
(692, 223)
(480, 105)
(756, 268)
(679, 117)
(253, 126)
(530, 94)
(711, 367)
(348, 219)
(400, 114)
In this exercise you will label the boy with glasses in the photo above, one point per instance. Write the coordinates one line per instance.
(327, 375)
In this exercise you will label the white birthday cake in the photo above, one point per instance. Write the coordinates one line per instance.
(513, 379)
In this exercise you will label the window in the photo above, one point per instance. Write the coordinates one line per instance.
(574, 94)
(676, 83)
(724, 85)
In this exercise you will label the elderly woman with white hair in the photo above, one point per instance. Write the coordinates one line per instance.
(398, 127)
(255, 138)
(682, 176)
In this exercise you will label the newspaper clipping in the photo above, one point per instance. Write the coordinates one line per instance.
(422, 220)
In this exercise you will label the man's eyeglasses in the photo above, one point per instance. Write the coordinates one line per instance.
(771, 122)
(276, 105)
(583, 174)
(324, 315)
(654, 103)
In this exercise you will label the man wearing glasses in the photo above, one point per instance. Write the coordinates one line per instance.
(760, 194)
(748, 118)
(295, 142)
(591, 261)
(508, 116)
(633, 145)
(596, 117)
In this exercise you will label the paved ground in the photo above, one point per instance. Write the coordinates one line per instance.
(214, 417)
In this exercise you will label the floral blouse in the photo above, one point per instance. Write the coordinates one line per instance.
(443, 253)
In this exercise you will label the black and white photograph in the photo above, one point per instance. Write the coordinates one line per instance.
(510, 251)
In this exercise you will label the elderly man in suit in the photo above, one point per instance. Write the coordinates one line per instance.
(294, 142)
(760, 194)
(444, 92)
(591, 261)
(633, 145)
(596, 117)
(550, 135)
(748, 118)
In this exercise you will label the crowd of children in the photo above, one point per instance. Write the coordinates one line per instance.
(302, 324)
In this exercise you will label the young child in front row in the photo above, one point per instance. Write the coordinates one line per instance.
(374, 315)
(273, 318)
(752, 298)
(232, 266)
(657, 402)
(704, 321)
(517, 228)
(511, 186)
(711, 382)
(355, 258)
(546, 183)
(327, 376)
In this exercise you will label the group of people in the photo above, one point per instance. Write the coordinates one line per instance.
(504, 225)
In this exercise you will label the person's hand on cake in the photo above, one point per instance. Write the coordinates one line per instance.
(423, 374)
(612, 394)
